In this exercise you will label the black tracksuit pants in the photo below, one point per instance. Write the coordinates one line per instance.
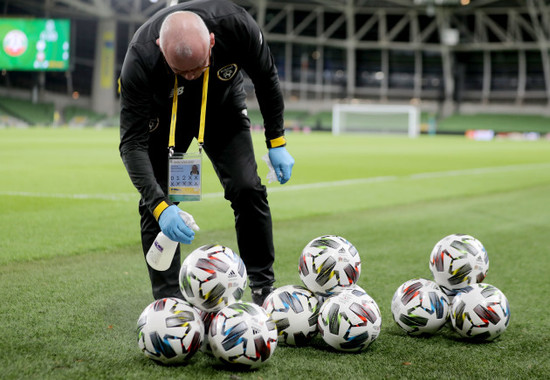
(233, 159)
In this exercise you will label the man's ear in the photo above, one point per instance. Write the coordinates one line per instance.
(212, 40)
(157, 41)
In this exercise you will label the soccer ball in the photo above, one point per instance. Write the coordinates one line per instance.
(294, 309)
(242, 334)
(480, 312)
(329, 264)
(169, 331)
(457, 261)
(212, 277)
(351, 288)
(357, 290)
(349, 321)
(419, 306)
(206, 318)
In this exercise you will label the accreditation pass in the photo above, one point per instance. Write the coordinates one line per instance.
(184, 177)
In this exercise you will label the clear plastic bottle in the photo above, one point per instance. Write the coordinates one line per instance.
(161, 253)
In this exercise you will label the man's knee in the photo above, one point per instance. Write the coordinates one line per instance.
(246, 192)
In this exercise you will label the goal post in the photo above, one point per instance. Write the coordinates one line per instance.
(375, 118)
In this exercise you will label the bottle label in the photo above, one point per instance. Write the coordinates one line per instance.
(158, 246)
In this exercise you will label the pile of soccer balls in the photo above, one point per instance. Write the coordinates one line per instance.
(210, 316)
(331, 302)
(477, 310)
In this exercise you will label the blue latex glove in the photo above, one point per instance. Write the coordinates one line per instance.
(282, 162)
(172, 224)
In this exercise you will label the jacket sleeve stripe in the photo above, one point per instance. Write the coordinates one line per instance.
(279, 141)
(159, 209)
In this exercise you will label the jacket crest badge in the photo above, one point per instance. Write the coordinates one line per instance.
(227, 72)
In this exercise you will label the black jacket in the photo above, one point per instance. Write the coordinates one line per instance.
(146, 84)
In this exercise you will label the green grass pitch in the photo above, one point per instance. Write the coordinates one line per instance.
(73, 279)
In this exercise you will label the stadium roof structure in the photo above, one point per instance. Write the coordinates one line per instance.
(140, 10)
(442, 50)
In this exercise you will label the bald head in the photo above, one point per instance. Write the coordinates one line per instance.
(185, 42)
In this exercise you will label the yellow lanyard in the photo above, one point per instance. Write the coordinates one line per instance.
(172, 138)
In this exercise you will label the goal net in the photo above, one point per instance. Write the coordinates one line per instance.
(371, 118)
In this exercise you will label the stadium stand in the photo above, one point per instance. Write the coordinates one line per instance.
(79, 116)
(386, 52)
(318, 121)
(30, 113)
(296, 119)
(6, 120)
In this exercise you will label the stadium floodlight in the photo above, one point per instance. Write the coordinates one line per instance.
(376, 118)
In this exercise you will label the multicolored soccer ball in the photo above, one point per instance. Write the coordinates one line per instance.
(480, 312)
(419, 306)
(349, 321)
(206, 318)
(329, 264)
(294, 309)
(212, 277)
(357, 290)
(457, 261)
(242, 334)
(170, 331)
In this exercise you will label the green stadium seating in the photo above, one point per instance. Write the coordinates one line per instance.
(75, 115)
(297, 119)
(31, 113)
(318, 121)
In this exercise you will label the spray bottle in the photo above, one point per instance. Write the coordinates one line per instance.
(162, 251)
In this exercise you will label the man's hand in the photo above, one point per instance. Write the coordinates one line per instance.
(282, 162)
(178, 225)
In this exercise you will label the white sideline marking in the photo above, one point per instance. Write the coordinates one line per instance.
(449, 173)
(307, 186)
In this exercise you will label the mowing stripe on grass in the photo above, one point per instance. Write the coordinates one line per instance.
(106, 197)
(307, 186)
(490, 170)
